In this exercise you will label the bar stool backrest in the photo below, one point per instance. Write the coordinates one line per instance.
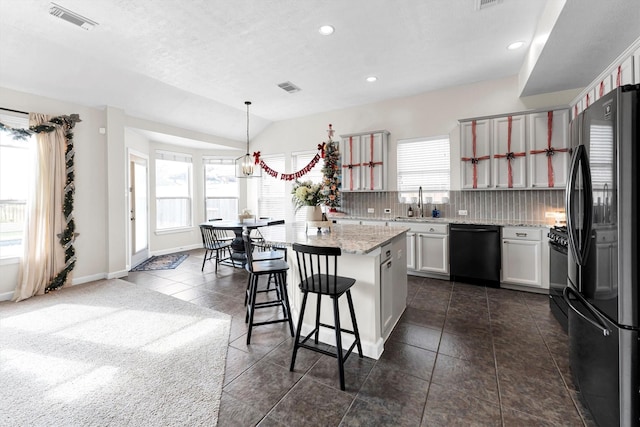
(248, 247)
(318, 267)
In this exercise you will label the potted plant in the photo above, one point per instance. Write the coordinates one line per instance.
(307, 193)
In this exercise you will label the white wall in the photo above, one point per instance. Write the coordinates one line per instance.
(429, 114)
(101, 160)
(100, 203)
(90, 205)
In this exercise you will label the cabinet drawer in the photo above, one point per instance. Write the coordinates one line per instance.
(522, 233)
(385, 252)
(430, 228)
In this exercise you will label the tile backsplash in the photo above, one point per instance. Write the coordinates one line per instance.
(527, 206)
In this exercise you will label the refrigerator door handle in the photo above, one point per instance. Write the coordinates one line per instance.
(601, 325)
(579, 249)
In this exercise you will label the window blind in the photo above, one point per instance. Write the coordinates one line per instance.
(272, 199)
(170, 155)
(423, 163)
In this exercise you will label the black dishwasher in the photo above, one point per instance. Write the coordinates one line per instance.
(474, 254)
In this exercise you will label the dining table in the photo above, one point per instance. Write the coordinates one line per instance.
(237, 244)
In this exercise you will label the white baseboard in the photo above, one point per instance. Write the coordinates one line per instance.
(86, 279)
(174, 250)
(117, 274)
(6, 296)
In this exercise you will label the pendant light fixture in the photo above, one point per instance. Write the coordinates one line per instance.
(245, 167)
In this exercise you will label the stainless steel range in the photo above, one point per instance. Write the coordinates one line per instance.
(558, 246)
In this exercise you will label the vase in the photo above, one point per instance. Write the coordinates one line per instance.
(314, 213)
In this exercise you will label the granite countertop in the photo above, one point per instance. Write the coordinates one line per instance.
(504, 223)
(352, 239)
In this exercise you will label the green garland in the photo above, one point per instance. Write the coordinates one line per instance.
(68, 235)
(331, 172)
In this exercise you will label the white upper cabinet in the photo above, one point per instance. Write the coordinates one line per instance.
(623, 74)
(364, 161)
(549, 152)
(351, 163)
(515, 151)
(604, 87)
(636, 66)
(509, 152)
(475, 150)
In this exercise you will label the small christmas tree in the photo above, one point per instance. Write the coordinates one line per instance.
(331, 172)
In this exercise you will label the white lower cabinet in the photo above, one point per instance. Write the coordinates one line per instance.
(393, 289)
(433, 252)
(522, 257)
(427, 248)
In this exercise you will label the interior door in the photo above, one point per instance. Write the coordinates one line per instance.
(138, 209)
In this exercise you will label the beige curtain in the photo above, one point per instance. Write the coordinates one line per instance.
(43, 255)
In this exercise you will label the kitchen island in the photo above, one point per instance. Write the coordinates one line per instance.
(373, 255)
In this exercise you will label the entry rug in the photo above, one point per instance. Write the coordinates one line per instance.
(161, 262)
(110, 353)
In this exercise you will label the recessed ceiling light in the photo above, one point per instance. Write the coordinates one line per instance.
(515, 45)
(326, 30)
(372, 79)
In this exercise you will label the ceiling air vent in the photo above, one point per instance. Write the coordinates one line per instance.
(69, 16)
(289, 87)
(483, 4)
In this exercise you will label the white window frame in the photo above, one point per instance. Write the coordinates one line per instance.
(176, 157)
(215, 160)
(17, 121)
(426, 167)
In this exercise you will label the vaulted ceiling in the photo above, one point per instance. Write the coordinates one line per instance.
(193, 63)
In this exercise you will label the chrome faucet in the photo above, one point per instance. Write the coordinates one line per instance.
(420, 213)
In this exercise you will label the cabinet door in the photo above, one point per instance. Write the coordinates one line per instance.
(351, 164)
(373, 157)
(433, 253)
(604, 87)
(476, 157)
(521, 263)
(549, 159)
(509, 152)
(623, 73)
(411, 251)
(636, 66)
(386, 297)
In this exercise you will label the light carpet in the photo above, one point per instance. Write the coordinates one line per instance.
(110, 353)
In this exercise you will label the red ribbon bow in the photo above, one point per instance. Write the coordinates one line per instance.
(321, 148)
(256, 157)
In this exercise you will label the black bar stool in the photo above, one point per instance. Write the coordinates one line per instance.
(277, 268)
(261, 251)
(318, 268)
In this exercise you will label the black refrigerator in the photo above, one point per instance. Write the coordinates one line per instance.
(602, 286)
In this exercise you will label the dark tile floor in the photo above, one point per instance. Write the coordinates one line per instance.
(461, 355)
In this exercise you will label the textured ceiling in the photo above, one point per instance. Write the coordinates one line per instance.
(192, 64)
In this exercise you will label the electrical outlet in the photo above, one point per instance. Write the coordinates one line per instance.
(462, 212)
(371, 210)
(387, 210)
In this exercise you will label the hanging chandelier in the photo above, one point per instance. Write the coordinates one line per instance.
(245, 167)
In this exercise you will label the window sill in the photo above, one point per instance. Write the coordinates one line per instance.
(173, 230)
(10, 260)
